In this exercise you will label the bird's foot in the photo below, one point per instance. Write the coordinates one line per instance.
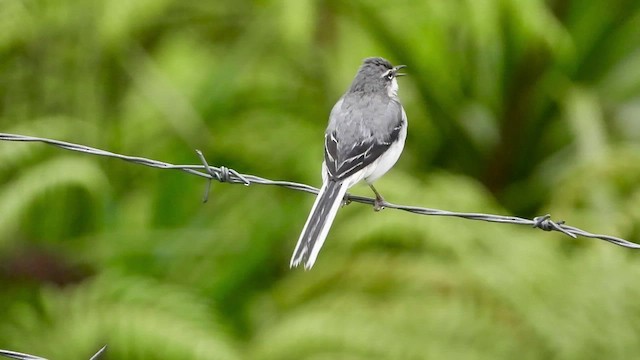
(346, 200)
(378, 204)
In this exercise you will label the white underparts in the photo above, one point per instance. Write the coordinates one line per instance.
(393, 88)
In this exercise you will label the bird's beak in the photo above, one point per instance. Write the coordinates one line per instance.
(395, 69)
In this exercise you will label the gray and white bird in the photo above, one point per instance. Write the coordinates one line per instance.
(364, 139)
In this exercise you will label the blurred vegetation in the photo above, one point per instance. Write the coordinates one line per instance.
(515, 106)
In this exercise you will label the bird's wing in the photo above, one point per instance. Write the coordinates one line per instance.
(344, 159)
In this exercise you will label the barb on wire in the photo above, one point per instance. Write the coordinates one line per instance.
(99, 353)
(21, 356)
(223, 174)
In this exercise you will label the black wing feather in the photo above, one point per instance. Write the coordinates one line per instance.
(361, 154)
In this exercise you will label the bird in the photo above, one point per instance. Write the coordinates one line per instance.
(364, 138)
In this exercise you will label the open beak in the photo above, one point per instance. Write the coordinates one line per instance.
(395, 69)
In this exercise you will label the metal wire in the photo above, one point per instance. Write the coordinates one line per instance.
(21, 356)
(224, 174)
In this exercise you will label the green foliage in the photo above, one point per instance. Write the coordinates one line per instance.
(522, 107)
(141, 319)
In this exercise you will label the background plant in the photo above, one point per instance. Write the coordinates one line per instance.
(522, 107)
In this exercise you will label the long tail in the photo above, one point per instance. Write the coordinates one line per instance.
(315, 231)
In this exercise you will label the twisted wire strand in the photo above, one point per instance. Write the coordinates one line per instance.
(22, 356)
(224, 174)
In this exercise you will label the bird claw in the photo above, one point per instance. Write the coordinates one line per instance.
(378, 204)
(346, 201)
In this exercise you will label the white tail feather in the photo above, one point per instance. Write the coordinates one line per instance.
(323, 219)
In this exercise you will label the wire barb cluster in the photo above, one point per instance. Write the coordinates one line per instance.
(224, 174)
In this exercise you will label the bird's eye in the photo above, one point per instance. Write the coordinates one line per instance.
(389, 75)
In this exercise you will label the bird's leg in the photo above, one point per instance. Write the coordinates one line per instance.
(378, 204)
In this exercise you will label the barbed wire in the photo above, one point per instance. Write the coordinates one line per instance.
(227, 175)
(22, 356)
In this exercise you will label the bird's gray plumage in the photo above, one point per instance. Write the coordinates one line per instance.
(359, 131)
(364, 138)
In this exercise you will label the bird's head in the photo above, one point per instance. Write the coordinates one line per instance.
(377, 74)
